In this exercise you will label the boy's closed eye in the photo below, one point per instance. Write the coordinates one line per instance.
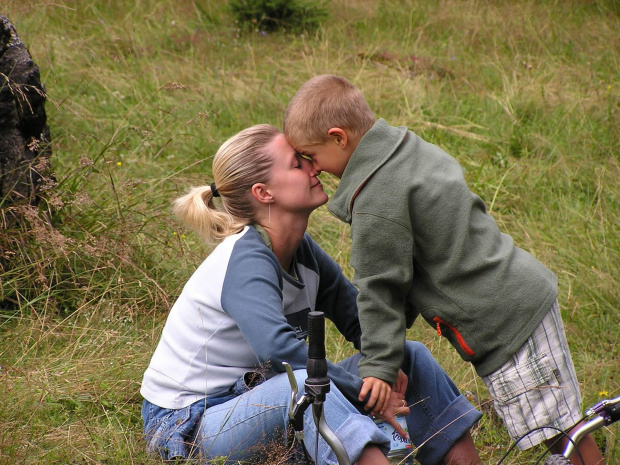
(306, 157)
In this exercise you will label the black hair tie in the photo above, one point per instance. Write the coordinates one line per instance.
(214, 190)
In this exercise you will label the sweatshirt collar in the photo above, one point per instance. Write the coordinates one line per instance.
(267, 240)
(263, 234)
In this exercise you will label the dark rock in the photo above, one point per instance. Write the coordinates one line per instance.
(24, 134)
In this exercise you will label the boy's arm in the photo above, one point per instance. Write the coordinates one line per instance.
(337, 298)
(382, 255)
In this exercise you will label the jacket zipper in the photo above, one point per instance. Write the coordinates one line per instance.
(468, 350)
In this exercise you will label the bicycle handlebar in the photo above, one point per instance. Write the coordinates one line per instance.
(316, 387)
(604, 413)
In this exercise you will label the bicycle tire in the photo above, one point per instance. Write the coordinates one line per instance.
(557, 459)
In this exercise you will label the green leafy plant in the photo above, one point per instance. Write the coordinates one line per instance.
(274, 15)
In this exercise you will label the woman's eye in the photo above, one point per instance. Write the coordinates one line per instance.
(299, 158)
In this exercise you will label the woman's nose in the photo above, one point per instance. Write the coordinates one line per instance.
(315, 171)
(315, 168)
(311, 166)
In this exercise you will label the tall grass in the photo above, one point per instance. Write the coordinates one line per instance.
(526, 95)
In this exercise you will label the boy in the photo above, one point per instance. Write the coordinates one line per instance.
(423, 244)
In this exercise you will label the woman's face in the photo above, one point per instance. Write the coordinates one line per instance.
(293, 183)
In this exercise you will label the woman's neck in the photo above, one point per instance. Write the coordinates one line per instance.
(285, 238)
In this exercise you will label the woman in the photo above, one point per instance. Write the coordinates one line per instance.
(216, 384)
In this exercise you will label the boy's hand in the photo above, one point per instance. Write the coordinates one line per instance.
(380, 392)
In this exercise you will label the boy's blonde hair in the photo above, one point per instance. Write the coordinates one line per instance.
(241, 162)
(324, 102)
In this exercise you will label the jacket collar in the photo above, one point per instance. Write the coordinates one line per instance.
(373, 150)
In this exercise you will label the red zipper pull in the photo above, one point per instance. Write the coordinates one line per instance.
(457, 334)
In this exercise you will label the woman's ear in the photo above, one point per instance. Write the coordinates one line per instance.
(261, 193)
(339, 136)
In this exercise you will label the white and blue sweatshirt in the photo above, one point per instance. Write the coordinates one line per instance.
(241, 312)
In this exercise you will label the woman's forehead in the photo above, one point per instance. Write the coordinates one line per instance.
(280, 148)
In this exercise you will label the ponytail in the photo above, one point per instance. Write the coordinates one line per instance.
(196, 210)
(241, 162)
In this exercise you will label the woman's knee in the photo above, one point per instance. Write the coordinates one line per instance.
(418, 354)
(416, 347)
(419, 364)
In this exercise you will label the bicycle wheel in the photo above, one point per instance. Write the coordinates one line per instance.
(557, 459)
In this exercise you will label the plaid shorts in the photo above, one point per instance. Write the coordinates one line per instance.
(538, 386)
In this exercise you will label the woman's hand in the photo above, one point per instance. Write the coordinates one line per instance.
(397, 405)
(400, 385)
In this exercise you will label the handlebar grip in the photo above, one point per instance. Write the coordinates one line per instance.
(614, 412)
(316, 366)
(316, 335)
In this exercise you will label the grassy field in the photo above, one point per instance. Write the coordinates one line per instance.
(525, 94)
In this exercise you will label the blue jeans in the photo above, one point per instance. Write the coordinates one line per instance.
(247, 426)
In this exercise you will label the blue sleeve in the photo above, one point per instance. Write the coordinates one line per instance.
(252, 296)
(337, 297)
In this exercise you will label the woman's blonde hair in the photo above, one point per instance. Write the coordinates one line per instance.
(241, 162)
(324, 102)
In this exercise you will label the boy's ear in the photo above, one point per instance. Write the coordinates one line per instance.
(260, 193)
(339, 136)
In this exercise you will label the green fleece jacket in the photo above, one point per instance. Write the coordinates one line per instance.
(424, 244)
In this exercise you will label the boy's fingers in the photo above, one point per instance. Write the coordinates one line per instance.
(384, 399)
(375, 401)
(363, 393)
(370, 406)
(379, 393)
(366, 388)
(377, 407)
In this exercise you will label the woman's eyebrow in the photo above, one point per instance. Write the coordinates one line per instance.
(296, 157)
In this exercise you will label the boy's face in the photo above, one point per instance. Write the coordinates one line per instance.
(331, 156)
(292, 180)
